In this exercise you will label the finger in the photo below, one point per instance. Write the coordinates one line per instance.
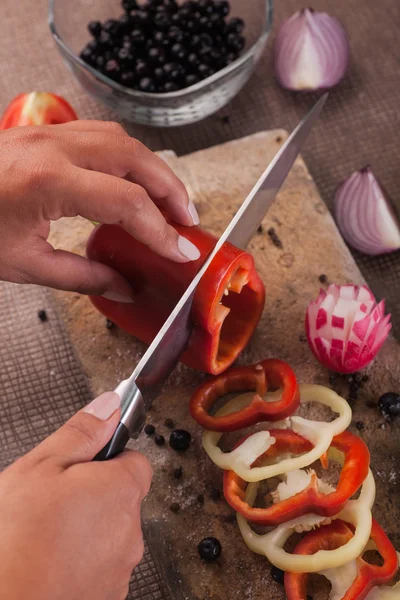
(138, 468)
(84, 435)
(90, 125)
(63, 270)
(110, 150)
(112, 200)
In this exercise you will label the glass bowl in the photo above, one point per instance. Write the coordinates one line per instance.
(68, 21)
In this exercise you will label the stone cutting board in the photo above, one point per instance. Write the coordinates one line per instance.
(218, 179)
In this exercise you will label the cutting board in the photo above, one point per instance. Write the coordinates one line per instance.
(218, 179)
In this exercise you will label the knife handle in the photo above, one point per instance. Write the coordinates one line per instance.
(116, 445)
(133, 417)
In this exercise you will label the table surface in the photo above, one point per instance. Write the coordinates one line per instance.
(359, 125)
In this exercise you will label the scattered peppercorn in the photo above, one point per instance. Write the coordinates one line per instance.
(323, 278)
(149, 429)
(42, 314)
(365, 378)
(229, 518)
(169, 423)
(177, 473)
(260, 229)
(159, 440)
(360, 425)
(175, 508)
(109, 324)
(180, 440)
(200, 499)
(225, 120)
(302, 337)
(274, 237)
(277, 575)
(278, 139)
(209, 549)
(389, 405)
(215, 494)
(333, 378)
(358, 378)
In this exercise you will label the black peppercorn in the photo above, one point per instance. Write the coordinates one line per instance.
(169, 423)
(175, 508)
(149, 429)
(159, 440)
(360, 425)
(209, 549)
(389, 405)
(277, 575)
(177, 473)
(323, 278)
(200, 499)
(215, 494)
(42, 314)
(109, 324)
(95, 28)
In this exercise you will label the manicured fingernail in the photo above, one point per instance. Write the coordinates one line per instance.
(117, 297)
(188, 249)
(104, 406)
(193, 213)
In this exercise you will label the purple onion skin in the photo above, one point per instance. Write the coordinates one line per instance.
(365, 216)
(305, 63)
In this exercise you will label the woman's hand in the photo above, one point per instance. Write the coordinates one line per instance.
(88, 168)
(70, 528)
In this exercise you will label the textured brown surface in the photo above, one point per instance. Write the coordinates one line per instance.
(303, 224)
(41, 381)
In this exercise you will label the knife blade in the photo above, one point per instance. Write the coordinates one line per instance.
(144, 385)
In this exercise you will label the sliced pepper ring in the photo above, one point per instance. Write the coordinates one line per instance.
(311, 499)
(259, 377)
(366, 575)
(357, 512)
(319, 433)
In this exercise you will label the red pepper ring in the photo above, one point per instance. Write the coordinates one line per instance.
(270, 372)
(335, 535)
(311, 499)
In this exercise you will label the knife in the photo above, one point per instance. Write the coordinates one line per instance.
(144, 385)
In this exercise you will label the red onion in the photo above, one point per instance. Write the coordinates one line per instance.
(365, 216)
(345, 327)
(311, 51)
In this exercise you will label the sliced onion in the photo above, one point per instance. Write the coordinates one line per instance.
(346, 328)
(311, 51)
(365, 215)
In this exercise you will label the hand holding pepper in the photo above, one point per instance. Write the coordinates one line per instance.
(93, 169)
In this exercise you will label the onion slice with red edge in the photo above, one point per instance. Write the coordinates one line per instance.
(346, 327)
(311, 51)
(365, 216)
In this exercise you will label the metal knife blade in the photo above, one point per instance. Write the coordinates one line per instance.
(139, 390)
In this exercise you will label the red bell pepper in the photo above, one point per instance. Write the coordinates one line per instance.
(37, 108)
(334, 536)
(223, 324)
(268, 373)
(311, 499)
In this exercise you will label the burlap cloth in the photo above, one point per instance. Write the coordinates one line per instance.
(41, 381)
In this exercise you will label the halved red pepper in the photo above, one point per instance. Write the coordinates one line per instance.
(334, 536)
(223, 324)
(311, 499)
(267, 373)
(37, 108)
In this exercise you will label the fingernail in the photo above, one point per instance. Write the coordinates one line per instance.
(117, 297)
(188, 249)
(104, 406)
(193, 213)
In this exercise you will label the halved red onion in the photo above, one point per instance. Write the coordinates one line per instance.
(311, 51)
(365, 216)
(345, 327)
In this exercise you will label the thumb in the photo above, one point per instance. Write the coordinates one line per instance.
(84, 435)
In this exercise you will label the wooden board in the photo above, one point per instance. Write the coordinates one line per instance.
(218, 179)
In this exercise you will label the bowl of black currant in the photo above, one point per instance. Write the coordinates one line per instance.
(163, 63)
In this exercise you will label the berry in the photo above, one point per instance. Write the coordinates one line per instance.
(192, 60)
(87, 56)
(222, 7)
(173, 71)
(204, 71)
(143, 18)
(209, 549)
(112, 27)
(206, 7)
(179, 52)
(389, 405)
(162, 20)
(235, 42)
(156, 55)
(142, 68)
(125, 24)
(149, 429)
(180, 440)
(158, 75)
(112, 69)
(191, 79)
(138, 38)
(235, 25)
(42, 315)
(125, 57)
(129, 5)
(128, 78)
(94, 28)
(105, 40)
(146, 84)
(170, 86)
(159, 440)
